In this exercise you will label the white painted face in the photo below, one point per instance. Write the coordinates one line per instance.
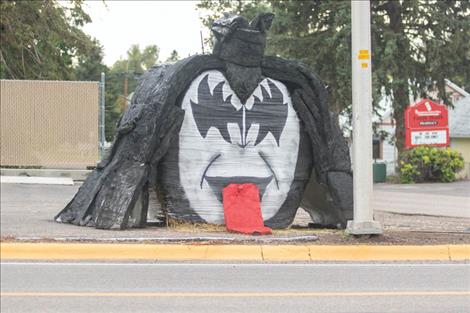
(223, 141)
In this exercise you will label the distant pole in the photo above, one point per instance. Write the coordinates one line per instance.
(363, 222)
(126, 74)
(102, 115)
(202, 42)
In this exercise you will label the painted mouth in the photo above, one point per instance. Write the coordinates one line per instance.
(218, 183)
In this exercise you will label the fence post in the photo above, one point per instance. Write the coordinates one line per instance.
(101, 115)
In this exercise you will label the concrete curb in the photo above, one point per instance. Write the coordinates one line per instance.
(191, 240)
(75, 174)
(260, 253)
(36, 180)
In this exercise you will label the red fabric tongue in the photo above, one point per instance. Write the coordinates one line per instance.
(242, 210)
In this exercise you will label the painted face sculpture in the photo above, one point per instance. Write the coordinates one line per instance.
(224, 141)
(209, 121)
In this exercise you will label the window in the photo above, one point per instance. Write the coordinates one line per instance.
(376, 148)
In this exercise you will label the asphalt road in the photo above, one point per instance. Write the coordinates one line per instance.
(141, 287)
(439, 199)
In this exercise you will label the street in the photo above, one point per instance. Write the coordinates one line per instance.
(217, 287)
(444, 199)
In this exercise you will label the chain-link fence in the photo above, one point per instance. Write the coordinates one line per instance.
(49, 123)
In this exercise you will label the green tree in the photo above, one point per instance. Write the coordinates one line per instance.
(149, 56)
(139, 61)
(42, 39)
(174, 56)
(90, 66)
(113, 108)
(136, 63)
(125, 71)
(416, 44)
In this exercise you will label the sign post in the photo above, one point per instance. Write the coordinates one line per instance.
(363, 222)
(426, 123)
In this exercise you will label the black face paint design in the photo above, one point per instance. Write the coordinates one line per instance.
(270, 114)
(213, 111)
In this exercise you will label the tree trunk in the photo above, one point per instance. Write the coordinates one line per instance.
(400, 76)
(400, 102)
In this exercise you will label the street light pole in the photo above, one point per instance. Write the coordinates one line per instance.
(363, 222)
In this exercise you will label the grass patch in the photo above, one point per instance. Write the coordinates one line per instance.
(187, 226)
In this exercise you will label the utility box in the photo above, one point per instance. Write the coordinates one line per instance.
(380, 172)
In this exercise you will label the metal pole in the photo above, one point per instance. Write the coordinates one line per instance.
(363, 222)
(202, 42)
(126, 75)
(102, 115)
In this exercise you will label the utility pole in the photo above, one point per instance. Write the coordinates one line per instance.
(126, 74)
(363, 222)
(202, 42)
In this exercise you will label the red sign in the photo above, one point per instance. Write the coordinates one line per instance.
(426, 123)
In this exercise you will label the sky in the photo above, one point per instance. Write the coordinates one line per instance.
(171, 25)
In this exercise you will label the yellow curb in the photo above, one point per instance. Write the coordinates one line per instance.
(180, 252)
(286, 253)
(59, 251)
(78, 251)
(379, 253)
(234, 253)
(459, 252)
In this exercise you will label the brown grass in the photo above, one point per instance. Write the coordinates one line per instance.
(187, 226)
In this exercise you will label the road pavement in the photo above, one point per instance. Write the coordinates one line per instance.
(442, 199)
(217, 287)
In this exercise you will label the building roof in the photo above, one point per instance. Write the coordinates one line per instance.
(459, 119)
(457, 88)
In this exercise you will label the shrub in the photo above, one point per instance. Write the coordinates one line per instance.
(425, 163)
(393, 179)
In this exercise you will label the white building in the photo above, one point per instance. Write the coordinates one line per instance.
(459, 129)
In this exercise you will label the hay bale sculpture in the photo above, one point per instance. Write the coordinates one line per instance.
(235, 137)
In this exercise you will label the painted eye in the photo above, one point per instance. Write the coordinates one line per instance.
(270, 113)
(211, 110)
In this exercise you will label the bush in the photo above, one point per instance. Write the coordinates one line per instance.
(425, 163)
(393, 179)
